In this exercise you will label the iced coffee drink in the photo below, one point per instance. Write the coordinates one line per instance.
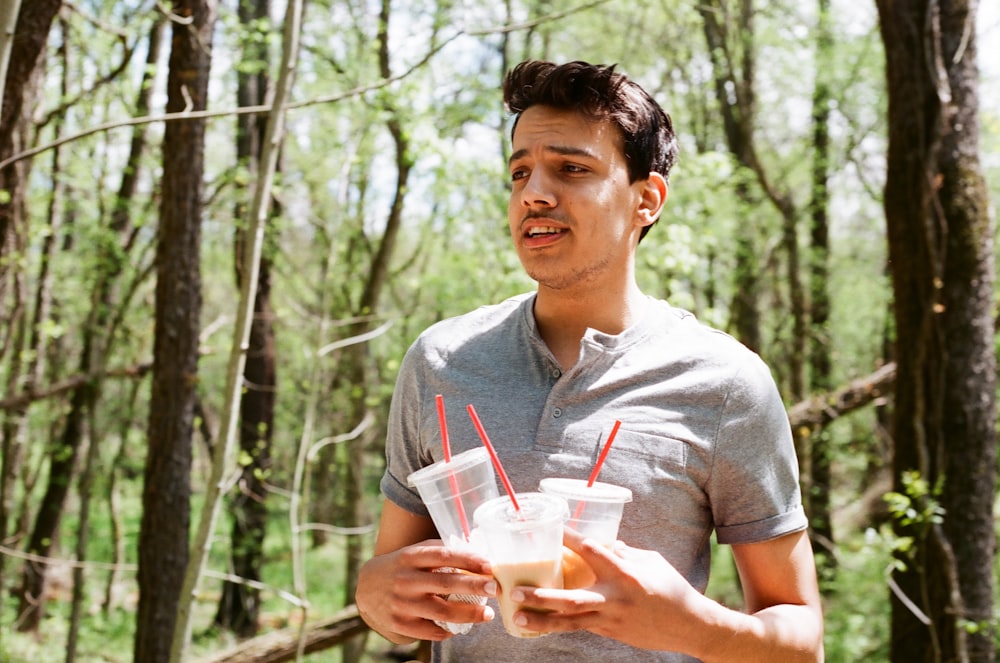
(524, 545)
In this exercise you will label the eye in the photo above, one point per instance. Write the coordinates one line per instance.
(574, 168)
(518, 174)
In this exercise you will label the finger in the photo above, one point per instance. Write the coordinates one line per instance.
(542, 621)
(416, 617)
(415, 584)
(598, 557)
(441, 608)
(464, 583)
(432, 554)
(563, 602)
(419, 629)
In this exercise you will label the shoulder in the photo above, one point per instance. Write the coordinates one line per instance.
(705, 343)
(484, 317)
(444, 338)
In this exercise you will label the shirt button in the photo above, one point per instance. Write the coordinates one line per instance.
(557, 412)
(556, 372)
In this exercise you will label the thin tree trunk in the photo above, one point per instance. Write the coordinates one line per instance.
(86, 489)
(357, 360)
(239, 605)
(259, 210)
(163, 537)
(8, 23)
(43, 535)
(31, 34)
(31, 606)
(117, 533)
(821, 453)
(735, 71)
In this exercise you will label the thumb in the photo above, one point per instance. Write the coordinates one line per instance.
(585, 560)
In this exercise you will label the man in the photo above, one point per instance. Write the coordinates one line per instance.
(704, 443)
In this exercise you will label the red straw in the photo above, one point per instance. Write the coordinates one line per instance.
(444, 428)
(604, 454)
(447, 459)
(597, 468)
(493, 454)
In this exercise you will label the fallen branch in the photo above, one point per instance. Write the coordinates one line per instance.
(283, 645)
(824, 408)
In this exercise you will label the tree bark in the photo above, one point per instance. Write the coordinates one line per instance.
(286, 644)
(63, 452)
(357, 359)
(239, 605)
(820, 451)
(734, 71)
(819, 410)
(34, 22)
(941, 248)
(31, 33)
(163, 537)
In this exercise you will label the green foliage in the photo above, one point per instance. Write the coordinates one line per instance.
(334, 193)
(855, 596)
(915, 509)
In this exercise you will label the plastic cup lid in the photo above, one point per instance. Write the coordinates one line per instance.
(577, 489)
(499, 512)
(442, 469)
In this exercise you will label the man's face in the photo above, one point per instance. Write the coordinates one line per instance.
(574, 217)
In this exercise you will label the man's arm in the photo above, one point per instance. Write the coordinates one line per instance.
(640, 599)
(398, 593)
(784, 615)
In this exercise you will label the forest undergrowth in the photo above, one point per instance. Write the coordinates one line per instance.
(856, 604)
(855, 591)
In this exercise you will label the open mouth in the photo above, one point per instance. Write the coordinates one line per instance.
(539, 231)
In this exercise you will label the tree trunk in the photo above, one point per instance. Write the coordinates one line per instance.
(941, 248)
(358, 361)
(31, 606)
(733, 69)
(34, 22)
(163, 537)
(239, 605)
(31, 34)
(44, 532)
(820, 452)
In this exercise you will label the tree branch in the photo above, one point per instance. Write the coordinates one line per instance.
(279, 646)
(822, 409)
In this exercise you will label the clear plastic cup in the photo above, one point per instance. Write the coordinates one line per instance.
(452, 491)
(524, 546)
(595, 511)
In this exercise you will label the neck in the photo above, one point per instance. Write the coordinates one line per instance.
(563, 317)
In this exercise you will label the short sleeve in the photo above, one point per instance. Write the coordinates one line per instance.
(754, 483)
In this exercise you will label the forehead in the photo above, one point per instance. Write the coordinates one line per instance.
(548, 128)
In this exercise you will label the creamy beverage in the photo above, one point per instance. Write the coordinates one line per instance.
(524, 544)
(539, 573)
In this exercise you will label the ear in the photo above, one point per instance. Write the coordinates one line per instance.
(654, 195)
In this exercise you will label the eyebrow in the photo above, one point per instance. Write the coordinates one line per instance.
(564, 150)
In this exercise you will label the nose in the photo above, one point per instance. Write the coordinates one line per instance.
(537, 190)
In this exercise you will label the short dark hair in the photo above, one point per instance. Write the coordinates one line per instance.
(600, 93)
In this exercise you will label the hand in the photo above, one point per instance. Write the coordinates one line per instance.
(637, 597)
(400, 595)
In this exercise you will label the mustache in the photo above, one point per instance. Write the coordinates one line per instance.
(531, 215)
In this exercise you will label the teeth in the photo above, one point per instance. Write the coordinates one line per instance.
(544, 230)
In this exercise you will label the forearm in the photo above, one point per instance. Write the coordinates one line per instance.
(786, 633)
